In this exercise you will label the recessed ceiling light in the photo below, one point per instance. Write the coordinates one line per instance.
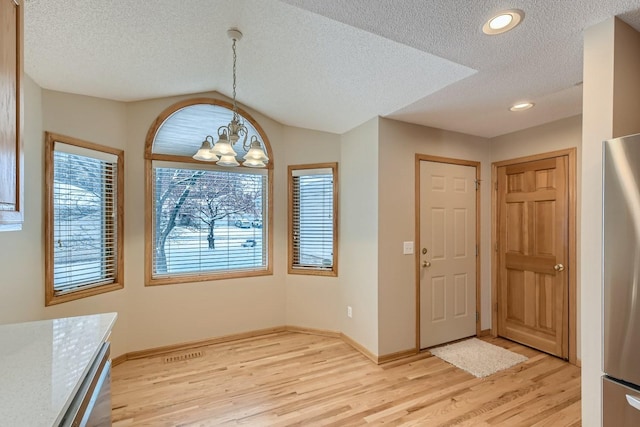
(521, 106)
(503, 22)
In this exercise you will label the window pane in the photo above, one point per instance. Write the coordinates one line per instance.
(208, 221)
(313, 221)
(84, 223)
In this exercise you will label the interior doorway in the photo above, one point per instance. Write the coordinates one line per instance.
(447, 255)
(534, 299)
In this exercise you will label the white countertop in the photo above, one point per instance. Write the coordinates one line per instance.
(43, 363)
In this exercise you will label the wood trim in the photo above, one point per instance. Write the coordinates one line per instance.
(416, 267)
(148, 221)
(573, 258)
(450, 160)
(167, 112)
(571, 154)
(391, 357)
(494, 250)
(333, 272)
(461, 162)
(50, 297)
(194, 278)
(148, 206)
(362, 349)
(313, 331)
(535, 157)
(119, 360)
(156, 351)
(484, 333)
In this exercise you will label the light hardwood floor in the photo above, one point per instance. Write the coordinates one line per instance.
(293, 379)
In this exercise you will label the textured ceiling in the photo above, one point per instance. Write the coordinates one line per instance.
(326, 64)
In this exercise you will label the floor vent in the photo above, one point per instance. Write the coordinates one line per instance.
(183, 356)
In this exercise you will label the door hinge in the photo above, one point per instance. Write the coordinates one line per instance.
(496, 185)
(495, 247)
(477, 317)
(477, 250)
(477, 181)
(495, 307)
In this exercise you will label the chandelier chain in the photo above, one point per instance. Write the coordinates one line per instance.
(235, 132)
(235, 107)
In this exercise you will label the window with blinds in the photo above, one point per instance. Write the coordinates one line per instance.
(84, 219)
(208, 220)
(313, 234)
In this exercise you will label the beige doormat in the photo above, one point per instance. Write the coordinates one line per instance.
(477, 357)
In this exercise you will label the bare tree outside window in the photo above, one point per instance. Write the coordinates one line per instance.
(207, 220)
(84, 199)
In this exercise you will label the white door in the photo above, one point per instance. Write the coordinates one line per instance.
(447, 252)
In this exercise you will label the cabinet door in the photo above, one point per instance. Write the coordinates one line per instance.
(11, 173)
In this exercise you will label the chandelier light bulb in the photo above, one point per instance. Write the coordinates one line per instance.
(205, 153)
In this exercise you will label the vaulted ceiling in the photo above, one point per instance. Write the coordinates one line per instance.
(328, 65)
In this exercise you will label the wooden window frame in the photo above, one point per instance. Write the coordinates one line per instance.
(51, 298)
(333, 271)
(150, 157)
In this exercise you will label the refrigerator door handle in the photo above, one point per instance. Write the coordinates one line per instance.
(634, 401)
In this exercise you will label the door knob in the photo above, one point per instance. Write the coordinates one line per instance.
(558, 267)
(426, 264)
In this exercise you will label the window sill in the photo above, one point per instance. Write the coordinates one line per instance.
(205, 277)
(84, 293)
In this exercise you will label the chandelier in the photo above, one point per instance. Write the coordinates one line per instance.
(222, 152)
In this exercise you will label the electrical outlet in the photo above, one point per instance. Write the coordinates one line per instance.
(407, 248)
(349, 311)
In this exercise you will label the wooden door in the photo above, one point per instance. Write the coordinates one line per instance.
(533, 252)
(447, 252)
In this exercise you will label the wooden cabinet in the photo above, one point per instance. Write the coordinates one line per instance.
(11, 120)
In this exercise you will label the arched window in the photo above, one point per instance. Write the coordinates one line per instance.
(203, 221)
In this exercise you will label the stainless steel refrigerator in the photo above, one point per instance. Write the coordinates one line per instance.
(621, 282)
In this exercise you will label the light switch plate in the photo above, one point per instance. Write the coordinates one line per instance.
(408, 248)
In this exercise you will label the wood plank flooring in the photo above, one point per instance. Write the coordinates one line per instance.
(293, 379)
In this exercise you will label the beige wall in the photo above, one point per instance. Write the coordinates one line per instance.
(163, 315)
(626, 73)
(610, 109)
(21, 281)
(376, 216)
(359, 234)
(399, 143)
(557, 135)
(22, 263)
(156, 316)
(313, 301)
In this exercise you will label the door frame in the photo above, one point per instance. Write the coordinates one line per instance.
(571, 204)
(452, 161)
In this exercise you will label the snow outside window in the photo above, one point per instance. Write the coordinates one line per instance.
(313, 224)
(208, 221)
(84, 216)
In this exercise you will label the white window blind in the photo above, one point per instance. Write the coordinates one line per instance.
(84, 218)
(312, 215)
(208, 221)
